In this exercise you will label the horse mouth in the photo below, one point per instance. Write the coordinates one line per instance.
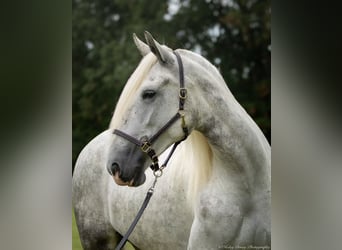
(134, 182)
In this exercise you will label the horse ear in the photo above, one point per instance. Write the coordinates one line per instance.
(142, 47)
(161, 52)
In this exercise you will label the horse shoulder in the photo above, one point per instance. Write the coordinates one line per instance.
(226, 214)
(218, 218)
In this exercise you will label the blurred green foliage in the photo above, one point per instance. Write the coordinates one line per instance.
(233, 34)
(76, 243)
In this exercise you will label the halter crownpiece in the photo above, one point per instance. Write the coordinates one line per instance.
(145, 143)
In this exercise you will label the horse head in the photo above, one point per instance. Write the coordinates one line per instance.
(150, 115)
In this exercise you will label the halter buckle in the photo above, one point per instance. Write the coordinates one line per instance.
(146, 147)
(183, 93)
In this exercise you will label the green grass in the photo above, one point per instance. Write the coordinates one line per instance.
(76, 243)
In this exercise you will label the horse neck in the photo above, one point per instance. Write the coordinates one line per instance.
(236, 141)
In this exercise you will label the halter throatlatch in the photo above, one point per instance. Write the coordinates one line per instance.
(145, 143)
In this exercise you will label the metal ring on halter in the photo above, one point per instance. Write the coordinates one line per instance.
(158, 173)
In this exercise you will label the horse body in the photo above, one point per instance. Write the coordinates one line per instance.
(101, 205)
(202, 201)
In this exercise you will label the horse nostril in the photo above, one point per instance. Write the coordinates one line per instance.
(115, 168)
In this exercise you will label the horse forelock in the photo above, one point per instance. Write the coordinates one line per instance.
(128, 93)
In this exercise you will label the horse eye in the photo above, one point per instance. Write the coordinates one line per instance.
(148, 94)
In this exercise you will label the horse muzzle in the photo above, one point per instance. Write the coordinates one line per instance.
(122, 178)
(132, 183)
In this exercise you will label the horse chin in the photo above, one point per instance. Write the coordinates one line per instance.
(139, 180)
(135, 182)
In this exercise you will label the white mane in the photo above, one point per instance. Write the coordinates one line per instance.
(193, 164)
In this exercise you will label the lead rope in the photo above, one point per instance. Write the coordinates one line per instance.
(157, 174)
(136, 219)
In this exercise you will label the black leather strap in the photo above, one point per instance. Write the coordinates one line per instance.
(128, 137)
(182, 90)
(164, 128)
(136, 219)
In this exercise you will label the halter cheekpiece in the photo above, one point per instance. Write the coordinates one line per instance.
(145, 143)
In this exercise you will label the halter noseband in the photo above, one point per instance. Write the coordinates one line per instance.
(145, 143)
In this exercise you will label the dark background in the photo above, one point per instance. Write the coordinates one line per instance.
(234, 35)
(36, 123)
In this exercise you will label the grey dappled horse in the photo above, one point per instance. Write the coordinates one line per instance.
(216, 191)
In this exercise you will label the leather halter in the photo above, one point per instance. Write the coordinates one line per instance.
(145, 143)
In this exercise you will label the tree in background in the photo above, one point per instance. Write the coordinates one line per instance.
(233, 34)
